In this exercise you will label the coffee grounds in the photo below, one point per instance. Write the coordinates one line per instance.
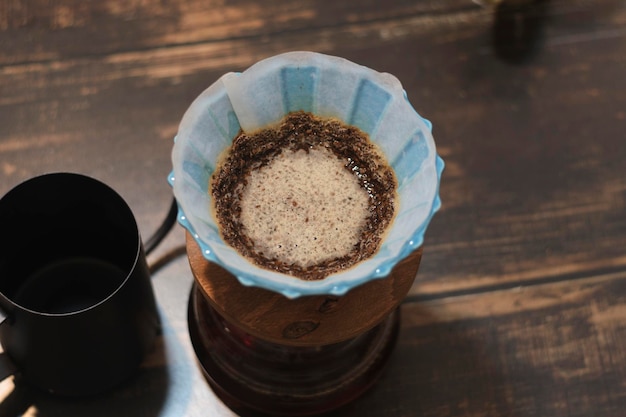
(301, 131)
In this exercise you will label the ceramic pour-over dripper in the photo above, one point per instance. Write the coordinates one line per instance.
(328, 87)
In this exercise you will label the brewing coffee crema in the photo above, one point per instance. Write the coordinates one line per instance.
(308, 198)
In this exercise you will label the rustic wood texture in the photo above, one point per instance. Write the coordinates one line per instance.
(527, 146)
(118, 25)
(548, 350)
(518, 305)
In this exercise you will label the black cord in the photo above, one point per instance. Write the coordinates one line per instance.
(169, 221)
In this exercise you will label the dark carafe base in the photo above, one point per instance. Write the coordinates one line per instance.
(256, 377)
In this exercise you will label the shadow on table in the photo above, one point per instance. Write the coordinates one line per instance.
(439, 369)
(142, 395)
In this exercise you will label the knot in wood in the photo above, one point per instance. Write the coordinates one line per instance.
(298, 329)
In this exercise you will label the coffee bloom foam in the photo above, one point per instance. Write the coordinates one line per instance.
(314, 211)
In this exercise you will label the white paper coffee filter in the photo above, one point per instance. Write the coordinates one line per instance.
(329, 87)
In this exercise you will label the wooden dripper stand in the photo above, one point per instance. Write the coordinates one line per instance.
(264, 352)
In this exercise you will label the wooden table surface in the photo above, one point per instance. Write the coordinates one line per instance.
(519, 308)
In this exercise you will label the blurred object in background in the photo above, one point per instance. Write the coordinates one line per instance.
(518, 28)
